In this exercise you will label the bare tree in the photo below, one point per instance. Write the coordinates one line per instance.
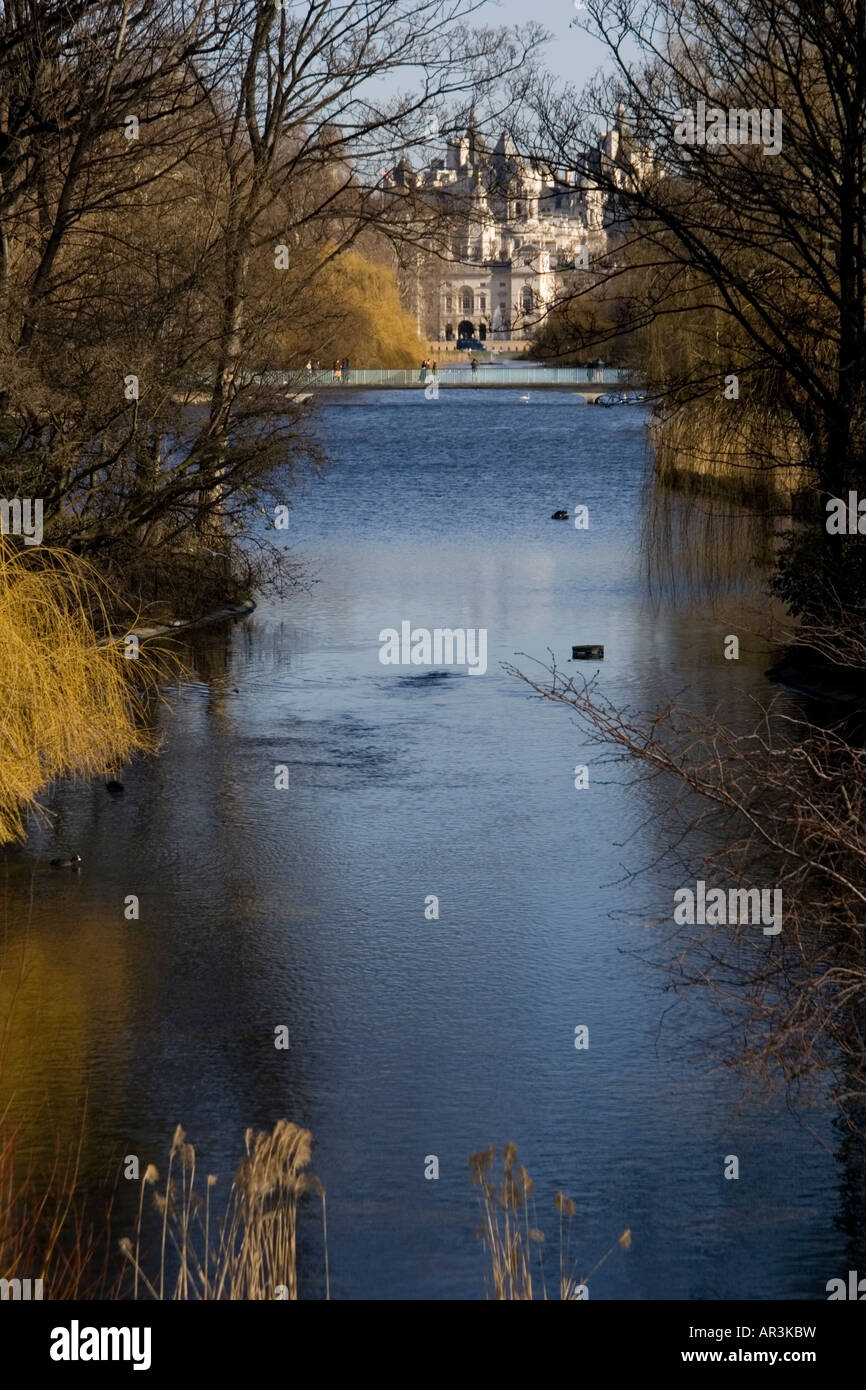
(175, 178)
(782, 802)
(748, 230)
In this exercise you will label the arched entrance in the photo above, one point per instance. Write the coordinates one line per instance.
(465, 329)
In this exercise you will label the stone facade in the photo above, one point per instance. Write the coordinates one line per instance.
(514, 232)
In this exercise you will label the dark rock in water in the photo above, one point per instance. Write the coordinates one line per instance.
(427, 678)
(559, 516)
(115, 788)
(587, 653)
(72, 863)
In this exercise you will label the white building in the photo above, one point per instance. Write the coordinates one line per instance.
(514, 231)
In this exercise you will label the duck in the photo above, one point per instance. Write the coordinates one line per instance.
(74, 862)
(560, 516)
(524, 398)
(114, 788)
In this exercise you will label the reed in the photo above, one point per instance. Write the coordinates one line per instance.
(248, 1252)
(513, 1239)
(46, 1232)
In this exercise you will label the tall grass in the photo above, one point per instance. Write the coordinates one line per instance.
(46, 1231)
(250, 1251)
(68, 704)
(513, 1239)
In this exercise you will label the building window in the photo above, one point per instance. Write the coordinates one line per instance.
(449, 303)
(528, 300)
(467, 302)
(482, 303)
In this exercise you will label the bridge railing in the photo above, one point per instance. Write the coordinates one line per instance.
(501, 374)
(487, 375)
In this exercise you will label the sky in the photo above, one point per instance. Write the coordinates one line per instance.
(572, 54)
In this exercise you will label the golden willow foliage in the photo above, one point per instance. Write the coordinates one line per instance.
(68, 705)
(751, 453)
(357, 314)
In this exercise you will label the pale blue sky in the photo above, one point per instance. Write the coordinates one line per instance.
(572, 54)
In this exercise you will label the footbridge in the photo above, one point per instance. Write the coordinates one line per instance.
(589, 382)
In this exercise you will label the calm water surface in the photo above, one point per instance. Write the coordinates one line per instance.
(305, 907)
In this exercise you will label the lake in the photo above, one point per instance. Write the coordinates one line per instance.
(305, 906)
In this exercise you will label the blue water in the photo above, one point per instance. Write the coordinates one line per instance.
(305, 907)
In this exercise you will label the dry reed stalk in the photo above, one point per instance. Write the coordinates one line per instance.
(254, 1255)
(510, 1238)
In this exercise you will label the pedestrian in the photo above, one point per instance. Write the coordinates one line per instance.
(345, 369)
(473, 361)
(433, 367)
(422, 375)
(338, 370)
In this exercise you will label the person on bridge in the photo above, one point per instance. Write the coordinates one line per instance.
(422, 375)
(473, 361)
(345, 369)
(338, 370)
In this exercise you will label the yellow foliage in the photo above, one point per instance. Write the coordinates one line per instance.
(361, 316)
(68, 705)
